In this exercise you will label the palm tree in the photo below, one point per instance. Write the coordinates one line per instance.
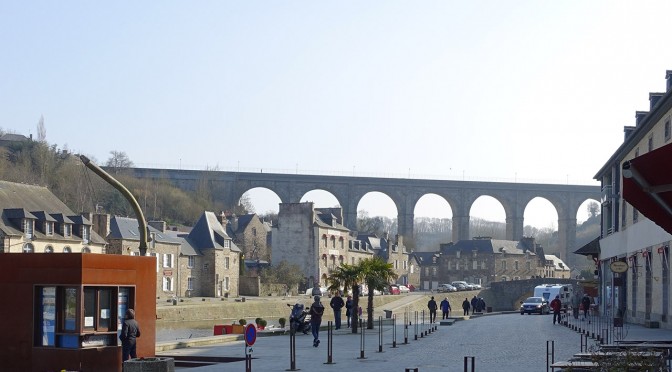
(377, 275)
(348, 276)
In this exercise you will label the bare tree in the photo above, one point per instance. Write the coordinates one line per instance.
(593, 209)
(41, 130)
(118, 160)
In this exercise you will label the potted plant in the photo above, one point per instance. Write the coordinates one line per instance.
(240, 327)
(262, 324)
(256, 321)
(282, 322)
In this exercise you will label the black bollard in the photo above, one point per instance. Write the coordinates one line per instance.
(422, 328)
(394, 330)
(380, 334)
(292, 351)
(405, 328)
(550, 353)
(416, 326)
(330, 345)
(411, 370)
(361, 342)
(473, 363)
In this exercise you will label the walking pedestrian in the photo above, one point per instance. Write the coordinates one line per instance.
(556, 305)
(466, 306)
(474, 305)
(576, 303)
(316, 312)
(431, 304)
(585, 304)
(348, 309)
(337, 304)
(129, 332)
(445, 308)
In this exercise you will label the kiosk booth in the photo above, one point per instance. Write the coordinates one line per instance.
(65, 311)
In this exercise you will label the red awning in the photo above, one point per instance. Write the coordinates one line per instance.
(647, 185)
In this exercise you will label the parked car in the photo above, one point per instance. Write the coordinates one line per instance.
(446, 288)
(475, 286)
(394, 289)
(404, 289)
(460, 286)
(537, 305)
(411, 287)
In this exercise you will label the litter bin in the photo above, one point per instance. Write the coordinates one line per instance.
(174, 301)
(388, 314)
(489, 309)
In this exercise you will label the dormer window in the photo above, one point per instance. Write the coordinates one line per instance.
(28, 226)
(227, 244)
(49, 228)
(67, 230)
(86, 234)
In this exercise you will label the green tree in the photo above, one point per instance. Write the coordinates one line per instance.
(377, 275)
(348, 276)
(282, 273)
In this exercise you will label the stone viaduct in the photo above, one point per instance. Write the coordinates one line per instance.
(405, 193)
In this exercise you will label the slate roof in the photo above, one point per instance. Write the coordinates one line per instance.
(324, 220)
(208, 233)
(487, 246)
(14, 137)
(558, 264)
(424, 258)
(127, 228)
(19, 200)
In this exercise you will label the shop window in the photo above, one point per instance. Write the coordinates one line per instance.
(79, 317)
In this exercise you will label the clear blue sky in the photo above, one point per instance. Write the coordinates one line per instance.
(535, 91)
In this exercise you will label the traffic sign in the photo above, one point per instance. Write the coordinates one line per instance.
(250, 334)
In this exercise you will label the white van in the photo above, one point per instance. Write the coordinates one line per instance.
(549, 291)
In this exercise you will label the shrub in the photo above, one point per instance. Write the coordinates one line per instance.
(263, 322)
(242, 321)
(282, 322)
(257, 320)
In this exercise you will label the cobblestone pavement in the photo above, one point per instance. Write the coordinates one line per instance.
(504, 342)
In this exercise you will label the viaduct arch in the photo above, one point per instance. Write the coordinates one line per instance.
(405, 193)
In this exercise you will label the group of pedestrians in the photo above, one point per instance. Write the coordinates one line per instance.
(578, 303)
(476, 305)
(337, 304)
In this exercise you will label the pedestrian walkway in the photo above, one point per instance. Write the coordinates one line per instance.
(497, 342)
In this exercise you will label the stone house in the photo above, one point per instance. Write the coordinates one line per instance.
(123, 238)
(34, 220)
(394, 253)
(250, 234)
(554, 267)
(201, 263)
(428, 268)
(486, 260)
(316, 240)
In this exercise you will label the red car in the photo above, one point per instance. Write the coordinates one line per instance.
(394, 289)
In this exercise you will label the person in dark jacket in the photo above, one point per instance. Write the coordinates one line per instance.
(348, 309)
(431, 305)
(585, 304)
(556, 306)
(474, 305)
(316, 312)
(129, 332)
(337, 304)
(466, 306)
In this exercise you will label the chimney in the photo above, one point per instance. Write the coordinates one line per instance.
(653, 99)
(528, 243)
(627, 130)
(159, 225)
(639, 116)
(101, 224)
(668, 77)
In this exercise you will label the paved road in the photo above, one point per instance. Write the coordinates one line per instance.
(505, 342)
